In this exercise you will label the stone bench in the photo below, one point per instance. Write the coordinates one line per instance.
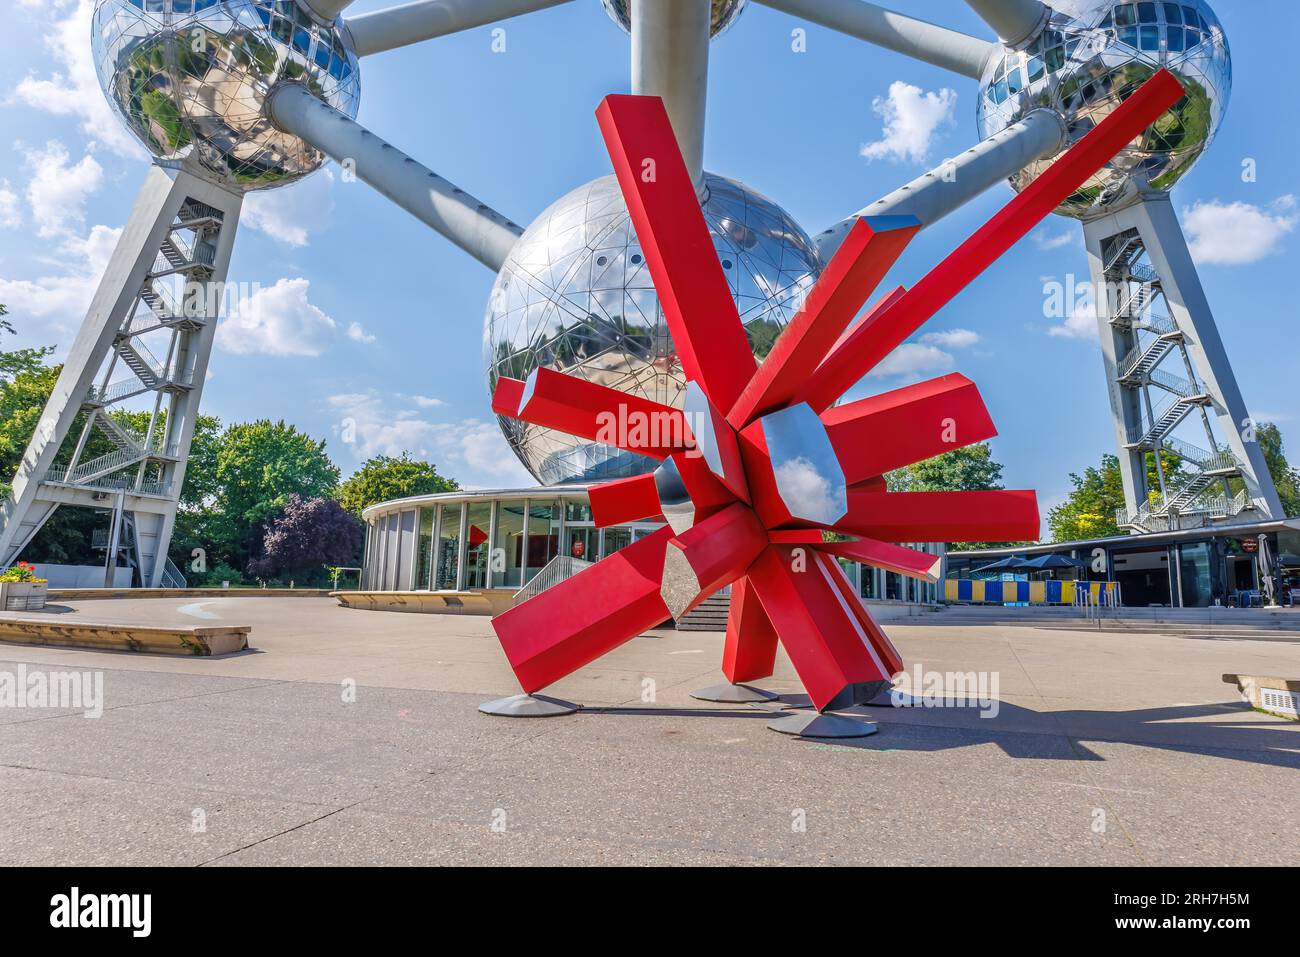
(201, 640)
(428, 602)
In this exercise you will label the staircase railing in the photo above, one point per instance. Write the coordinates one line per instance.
(172, 577)
(558, 569)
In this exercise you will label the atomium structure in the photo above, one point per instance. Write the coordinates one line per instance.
(231, 96)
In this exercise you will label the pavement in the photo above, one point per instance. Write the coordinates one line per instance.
(352, 737)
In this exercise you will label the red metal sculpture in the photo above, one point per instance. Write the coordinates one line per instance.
(761, 462)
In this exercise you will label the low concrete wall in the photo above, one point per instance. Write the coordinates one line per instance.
(491, 602)
(198, 640)
(82, 576)
(87, 594)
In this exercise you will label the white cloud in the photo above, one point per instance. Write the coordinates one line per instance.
(57, 191)
(799, 480)
(952, 338)
(927, 356)
(73, 89)
(277, 320)
(426, 401)
(1234, 234)
(11, 214)
(913, 360)
(358, 334)
(1080, 322)
(1048, 241)
(61, 299)
(293, 212)
(911, 118)
(472, 451)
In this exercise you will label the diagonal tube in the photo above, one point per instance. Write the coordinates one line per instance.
(869, 342)
(918, 39)
(952, 184)
(327, 10)
(426, 19)
(670, 60)
(1016, 22)
(473, 226)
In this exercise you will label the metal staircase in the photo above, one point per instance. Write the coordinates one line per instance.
(1151, 341)
(135, 548)
(160, 297)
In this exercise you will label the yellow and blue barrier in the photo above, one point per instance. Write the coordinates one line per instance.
(976, 591)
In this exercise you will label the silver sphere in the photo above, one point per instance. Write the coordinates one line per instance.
(1094, 53)
(575, 295)
(725, 13)
(190, 78)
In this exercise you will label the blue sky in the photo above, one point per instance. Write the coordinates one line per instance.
(367, 316)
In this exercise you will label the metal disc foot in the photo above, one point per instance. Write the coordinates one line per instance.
(889, 698)
(811, 724)
(528, 706)
(733, 694)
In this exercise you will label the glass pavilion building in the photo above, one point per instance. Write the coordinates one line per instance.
(472, 552)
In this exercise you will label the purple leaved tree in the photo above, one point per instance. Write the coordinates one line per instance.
(308, 535)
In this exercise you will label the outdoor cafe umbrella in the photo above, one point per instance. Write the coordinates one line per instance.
(1010, 563)
(1045, 562)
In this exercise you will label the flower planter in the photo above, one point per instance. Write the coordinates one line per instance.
(23, 596)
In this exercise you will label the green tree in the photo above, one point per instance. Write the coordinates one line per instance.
(258, 466)
(382, 478)
(968, 469)
(1089, 511)
(1285, 477)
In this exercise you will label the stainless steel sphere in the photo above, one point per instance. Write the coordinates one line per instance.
(1094, 53)
(725, 13)
(190, 78)
(575, 295)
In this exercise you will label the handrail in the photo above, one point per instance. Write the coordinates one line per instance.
(172, 577)
(558, 569)
(1143, 273)
(1175, 384)
(105, 463)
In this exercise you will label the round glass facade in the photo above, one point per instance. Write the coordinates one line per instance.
(502, 541)
(190, 79)
(725, 13)
(1089, 58)
(575, 295)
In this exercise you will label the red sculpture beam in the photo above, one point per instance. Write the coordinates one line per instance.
(746, 502)
(1002, 516)
(749, 653)
(828, 647)
(871, 342)
(888, 431)
(629, 422)
(892, 558)
(867, 253)
(575, 622)
(693, 290)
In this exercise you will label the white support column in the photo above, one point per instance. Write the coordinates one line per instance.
(327, 10)
(426, 19)
(918, 39)
(670, 60)
(129, 271)
(1016, 22)
(957, 181)
(473, 226)
(1156, 223)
